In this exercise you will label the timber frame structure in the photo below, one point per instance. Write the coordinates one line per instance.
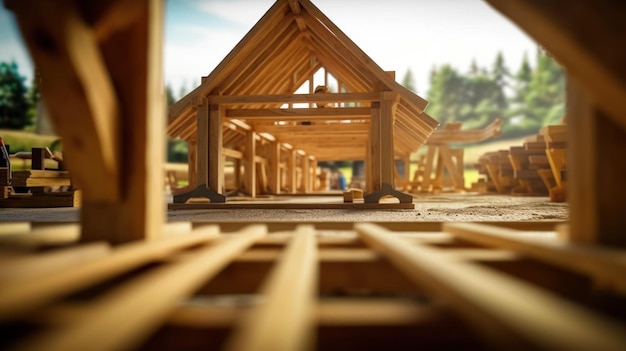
(244, 110)
(147, 285)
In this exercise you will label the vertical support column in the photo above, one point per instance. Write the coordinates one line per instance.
(216, 156)
(313, 174)
(250, 169)
(374, 164)
(595, 172)
(202, 146)
(387, 162)
(306, 174)
(38, 158)
(192, 163)
(292, 170)
(207, 148)
(134, 61)
(407, 171)
(382, 151)
(275, 168)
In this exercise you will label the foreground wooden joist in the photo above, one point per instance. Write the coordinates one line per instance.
(285, 286)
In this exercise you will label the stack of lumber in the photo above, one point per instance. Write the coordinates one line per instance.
(39, 186)
(537, 167)
(556, 149)
(496, 171)
(526, 160)
(326, 286)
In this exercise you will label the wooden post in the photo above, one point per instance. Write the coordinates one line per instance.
(102, 84)
(387, 164)
(275, 168)
(595, 172)
(374, 166)
(202, 145)
(250, 169)
(192, 163)
(38, 158)
(382, 150)
(216, 157)
(292, 170)
(306, 174)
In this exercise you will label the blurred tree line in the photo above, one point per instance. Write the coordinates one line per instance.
(532, 97)
(18, 105)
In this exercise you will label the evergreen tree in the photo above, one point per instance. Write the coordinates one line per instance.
(33, 96)
(408, 81)
(446, 94)
(13, 99)
(169, 95)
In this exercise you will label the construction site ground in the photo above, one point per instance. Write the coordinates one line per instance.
(444, 207)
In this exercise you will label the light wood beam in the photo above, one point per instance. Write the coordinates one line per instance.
(284, 321)
(292, 98)
(500, 306)
(78, 91)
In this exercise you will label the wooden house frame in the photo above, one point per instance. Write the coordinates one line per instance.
(516, 285)
(371, 117)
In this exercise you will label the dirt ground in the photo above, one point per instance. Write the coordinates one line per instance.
(463, 207)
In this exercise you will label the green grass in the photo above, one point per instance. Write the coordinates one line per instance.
(24, 141)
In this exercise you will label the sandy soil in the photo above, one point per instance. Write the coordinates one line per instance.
(465, 207)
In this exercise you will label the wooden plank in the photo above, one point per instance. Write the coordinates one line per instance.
(300, 113)
(80, 95)
(502, 307)
(34, 173)
(29, 182)
(605, 265)
(29, 295)
(283, 321)
(173, 282)
(328, 312)
(292, 98)
(32, 266)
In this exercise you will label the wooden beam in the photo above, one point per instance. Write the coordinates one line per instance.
(173, 282)
(502, 307)
(292, 98)
(596, 188)
(348, 128)
(300, 113)
(78, 91)
(284, 321)
(604, 265)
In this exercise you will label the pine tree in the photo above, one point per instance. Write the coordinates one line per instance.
(408, 81)
(13, 98)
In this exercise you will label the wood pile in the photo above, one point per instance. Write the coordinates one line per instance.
(537, 167)
(39, 186)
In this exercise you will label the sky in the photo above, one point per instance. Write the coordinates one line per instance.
(397, 34)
